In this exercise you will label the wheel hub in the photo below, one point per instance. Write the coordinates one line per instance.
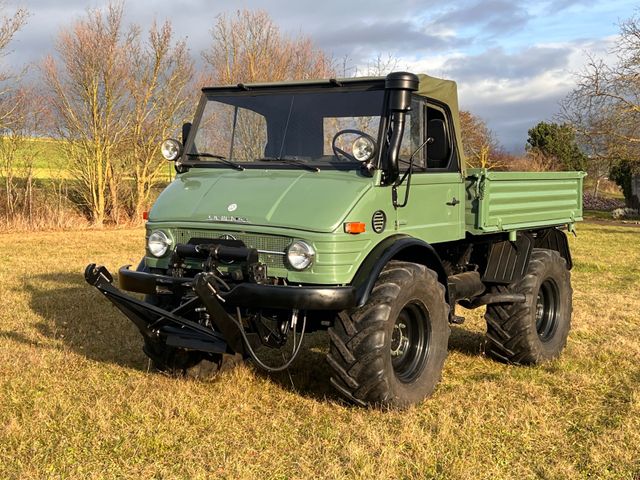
(409, 346)
(399, 340)
(547, 310)
(539, 309)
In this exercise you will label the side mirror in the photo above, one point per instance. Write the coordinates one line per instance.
(186, 128)
(407, 175)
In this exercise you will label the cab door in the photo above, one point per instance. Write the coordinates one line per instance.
(435, 203)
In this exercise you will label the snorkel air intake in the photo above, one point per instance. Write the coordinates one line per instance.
(399, 86)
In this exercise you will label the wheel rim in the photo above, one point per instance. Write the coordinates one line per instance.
(410, 342)
(547, 310)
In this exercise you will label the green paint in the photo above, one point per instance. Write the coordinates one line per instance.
(504, 201)
(270, 208)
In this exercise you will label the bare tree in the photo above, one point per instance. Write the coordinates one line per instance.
(604, 108)
(10, 23)
(16, 160)
(378, 65)
(161, 87)
(90, 103)
(249, 47)
(481, 147)
(115, 97)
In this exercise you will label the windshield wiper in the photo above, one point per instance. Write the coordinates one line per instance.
(290, 161)
(220, 158)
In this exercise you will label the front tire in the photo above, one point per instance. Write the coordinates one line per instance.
(390, 352)
(535, 331)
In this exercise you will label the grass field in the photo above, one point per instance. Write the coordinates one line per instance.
(76, 400)
(49, 162)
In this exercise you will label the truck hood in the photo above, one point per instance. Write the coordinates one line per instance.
(303, 200)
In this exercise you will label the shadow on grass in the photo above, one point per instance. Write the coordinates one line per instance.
(76, 314)
(23, 339)
(466, 342)
(310, 374)
(631, 229)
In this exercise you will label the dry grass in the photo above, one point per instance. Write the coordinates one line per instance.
(76, 400)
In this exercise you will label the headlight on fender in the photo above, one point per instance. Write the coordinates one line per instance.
(300, 255)
(158, 243)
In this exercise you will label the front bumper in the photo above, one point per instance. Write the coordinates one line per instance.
(249, 295)
(172, 328)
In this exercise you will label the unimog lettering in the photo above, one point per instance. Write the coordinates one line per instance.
(227, 218)
(356, 215)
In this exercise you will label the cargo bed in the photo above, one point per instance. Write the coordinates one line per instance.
(506, 201)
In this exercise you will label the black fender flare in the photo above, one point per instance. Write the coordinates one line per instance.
(554, 239)
(395, 247)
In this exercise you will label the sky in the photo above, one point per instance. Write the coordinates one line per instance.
(513, 60)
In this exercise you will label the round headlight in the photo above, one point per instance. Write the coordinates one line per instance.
(158, 243)
(171, 149)
(363, 149)
(300, 255)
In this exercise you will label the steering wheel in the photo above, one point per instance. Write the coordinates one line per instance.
(338, 152)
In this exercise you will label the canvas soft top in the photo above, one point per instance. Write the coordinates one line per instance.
(445, 91)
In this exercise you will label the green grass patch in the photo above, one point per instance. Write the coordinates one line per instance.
(49, 162)
(46, 157)
(76, 400)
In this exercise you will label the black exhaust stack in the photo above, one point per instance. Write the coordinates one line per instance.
(399, 86)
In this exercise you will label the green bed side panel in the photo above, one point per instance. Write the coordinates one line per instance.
(504, 201)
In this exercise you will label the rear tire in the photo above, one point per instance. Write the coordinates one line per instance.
(390, 352)
(535, 331)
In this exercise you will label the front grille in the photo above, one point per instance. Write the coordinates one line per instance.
(273, 243)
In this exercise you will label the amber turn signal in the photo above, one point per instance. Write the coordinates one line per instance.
(354, 227)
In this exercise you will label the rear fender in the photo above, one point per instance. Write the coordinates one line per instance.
(554, 239)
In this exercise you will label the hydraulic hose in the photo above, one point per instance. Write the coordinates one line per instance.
(295, 348)
(294, 352)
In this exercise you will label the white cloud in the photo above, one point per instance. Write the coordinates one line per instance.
(508, 70)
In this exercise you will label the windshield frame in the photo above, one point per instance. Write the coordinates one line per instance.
(342, 86)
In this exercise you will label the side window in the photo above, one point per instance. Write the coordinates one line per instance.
(413, 136)
(439, 150)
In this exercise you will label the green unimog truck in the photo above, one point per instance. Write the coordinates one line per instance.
(345, 205)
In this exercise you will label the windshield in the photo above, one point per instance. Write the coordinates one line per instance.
(250, 128)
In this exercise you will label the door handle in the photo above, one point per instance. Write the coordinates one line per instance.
(453, 202)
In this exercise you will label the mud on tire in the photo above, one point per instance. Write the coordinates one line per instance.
(390, 352)
(534, 331)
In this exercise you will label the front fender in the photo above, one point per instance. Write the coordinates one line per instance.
(396, 247)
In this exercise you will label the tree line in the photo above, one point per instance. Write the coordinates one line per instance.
(111, 92)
